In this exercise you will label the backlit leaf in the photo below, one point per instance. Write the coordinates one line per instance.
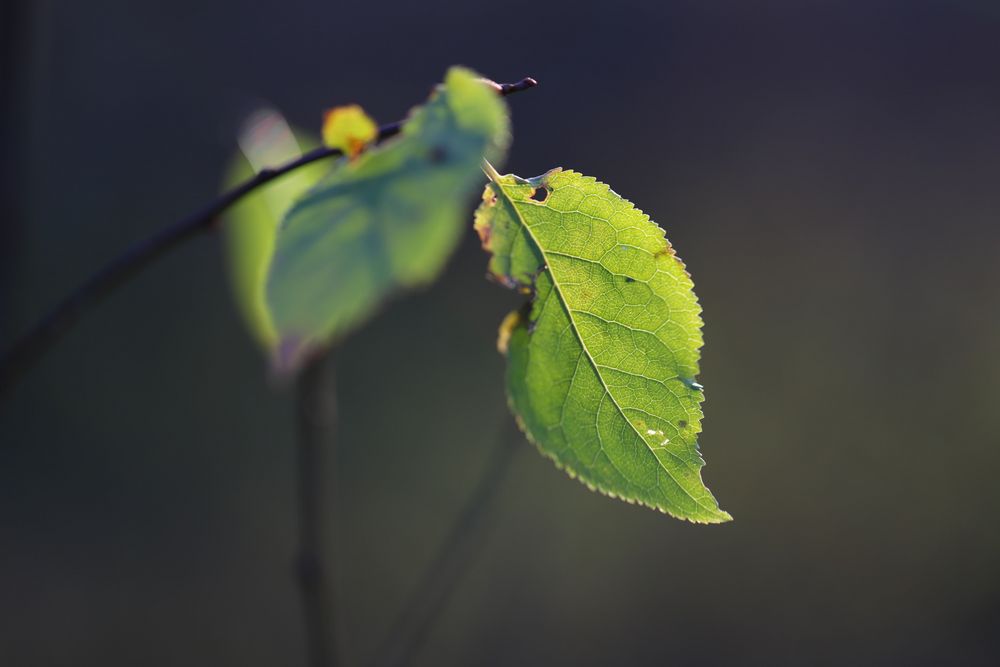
(602, 363)
(386, 220)
(251, 224)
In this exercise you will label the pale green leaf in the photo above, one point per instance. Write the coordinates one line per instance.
(602, 363)
(251, 224)
(386, 220)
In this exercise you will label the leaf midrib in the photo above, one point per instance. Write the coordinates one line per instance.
(583, 345)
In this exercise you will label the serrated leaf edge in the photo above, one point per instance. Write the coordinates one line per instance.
(541, 181)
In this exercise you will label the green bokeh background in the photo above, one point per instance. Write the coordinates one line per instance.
(827, 170)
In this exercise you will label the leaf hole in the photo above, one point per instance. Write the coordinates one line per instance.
(540, 195)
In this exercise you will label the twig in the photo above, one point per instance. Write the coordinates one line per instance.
(454, 556)
(316, 410)
(27, 351)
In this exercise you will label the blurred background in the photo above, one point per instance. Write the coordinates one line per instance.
(827, 170)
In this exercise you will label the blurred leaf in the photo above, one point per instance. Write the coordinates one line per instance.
(388, 219)
(601, 364)
(348, 128)
(251, 224)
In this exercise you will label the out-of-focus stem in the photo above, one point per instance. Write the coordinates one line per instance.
(316, 414)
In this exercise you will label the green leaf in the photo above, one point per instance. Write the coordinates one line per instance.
(251, 224)
(385, 220)
(602, 363)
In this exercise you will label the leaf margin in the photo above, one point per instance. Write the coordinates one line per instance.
(521, 320)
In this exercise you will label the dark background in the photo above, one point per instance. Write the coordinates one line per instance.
(829, 173)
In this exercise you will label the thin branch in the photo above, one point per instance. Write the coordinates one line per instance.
(27, 351)
(316, 410)
(454, 556)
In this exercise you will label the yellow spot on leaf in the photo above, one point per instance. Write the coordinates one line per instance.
(507, 327)
(348, 128)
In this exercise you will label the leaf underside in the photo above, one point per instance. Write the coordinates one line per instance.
(602, 364)
(386, 220)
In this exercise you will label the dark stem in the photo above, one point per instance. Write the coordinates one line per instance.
(316, 414)
(453, 558)
(28, 350)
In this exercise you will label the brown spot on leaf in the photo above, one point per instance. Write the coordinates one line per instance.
(665, 251)
(485, 233)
